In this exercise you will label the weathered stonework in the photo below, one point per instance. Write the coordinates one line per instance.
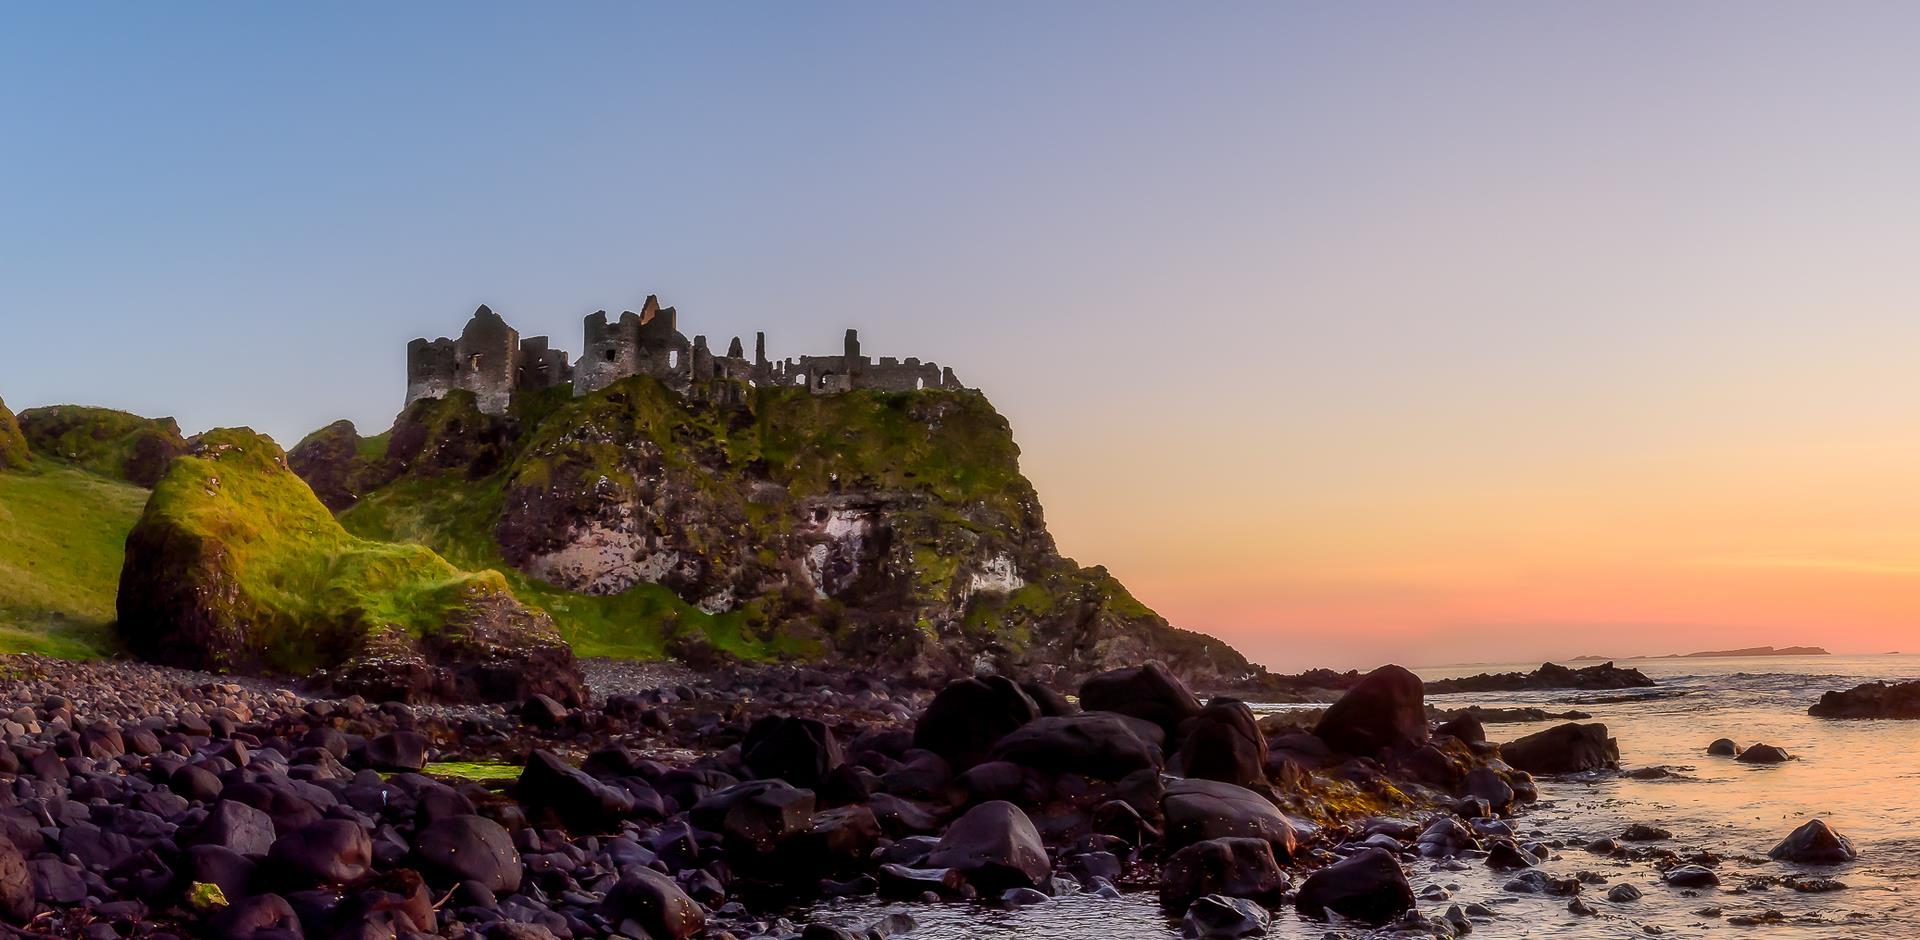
(491, 361)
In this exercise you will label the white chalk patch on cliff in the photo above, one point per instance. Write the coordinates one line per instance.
(998, 576)
(834, 564)
(719, 602)
(600, 559)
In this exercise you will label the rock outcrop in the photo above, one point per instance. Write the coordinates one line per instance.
(111, 443)
(1871, 700)
(14, 453)
(1548, 676)
(236, 566)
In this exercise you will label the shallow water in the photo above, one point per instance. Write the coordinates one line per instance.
(1861, 775)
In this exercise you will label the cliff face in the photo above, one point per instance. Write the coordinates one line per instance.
(236, 565)
(886, 528)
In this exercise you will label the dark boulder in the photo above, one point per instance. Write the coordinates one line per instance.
(1218, 917)
(1815, 843)
(1385, 712)
(1238, 868)
(1095, 744)
(966, 718)
(1149, 692)
(1367, 886)
(469, 848)
(1223, 743)
(1723, 747)
(235, 826)
(756, 816)
(1198, 810)
(16, 884)
(262, 916)
(801, 751)
(1691, 876)
(995, 847)
(646, 903)
(1764, 754)
(549, 787)
(399, 751)
(1466, 728)
(1565, 749)
(329, 852)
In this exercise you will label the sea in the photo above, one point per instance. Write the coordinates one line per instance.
(1862, 776)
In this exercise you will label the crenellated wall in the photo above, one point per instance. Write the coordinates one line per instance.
(490, 360)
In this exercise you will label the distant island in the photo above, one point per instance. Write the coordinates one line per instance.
(1748, 651)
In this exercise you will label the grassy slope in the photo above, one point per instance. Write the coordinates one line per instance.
(63, 535)
(304, 577)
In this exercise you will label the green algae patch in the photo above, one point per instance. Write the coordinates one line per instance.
(63, 534)
(111, 443)
(235, 564)
(478, 771)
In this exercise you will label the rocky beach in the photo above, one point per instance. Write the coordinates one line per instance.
(792, 802)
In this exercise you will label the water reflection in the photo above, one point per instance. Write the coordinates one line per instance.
(1859, 775)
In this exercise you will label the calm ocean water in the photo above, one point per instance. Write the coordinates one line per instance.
(1863, 777)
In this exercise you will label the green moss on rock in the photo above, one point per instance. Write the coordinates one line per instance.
(108, 442)
(236, 565)
(14, 454)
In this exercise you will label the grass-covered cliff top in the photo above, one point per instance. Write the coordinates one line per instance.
(108, 442)
(298, 579)
(951, 445)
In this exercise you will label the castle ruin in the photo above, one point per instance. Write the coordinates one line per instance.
(493, 362)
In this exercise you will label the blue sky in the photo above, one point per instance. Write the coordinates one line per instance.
(1295, 309)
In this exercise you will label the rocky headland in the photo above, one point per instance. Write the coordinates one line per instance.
(1548, 676)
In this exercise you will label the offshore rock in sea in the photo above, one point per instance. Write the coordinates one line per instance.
(1568, 748)
(1815, 843)
(1548, 676)
(1871, 700)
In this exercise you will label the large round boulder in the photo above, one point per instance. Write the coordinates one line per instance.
(1815, 843)
(329, 852)
(469, 848)
(995, 847)
(1385, 712)
(1223, 743)
(1197, 810)
(1148, 692)
(1095, 744)
(548, 786)
(1565, 749)
(969, 716)
(646, 903)
(1368, 886)
(1235, 867)
(801, 751)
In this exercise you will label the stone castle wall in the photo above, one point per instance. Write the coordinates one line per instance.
(493, 362)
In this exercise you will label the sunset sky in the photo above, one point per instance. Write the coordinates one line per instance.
(1348, 333)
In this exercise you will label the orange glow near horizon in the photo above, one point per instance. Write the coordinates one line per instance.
(1532, 530)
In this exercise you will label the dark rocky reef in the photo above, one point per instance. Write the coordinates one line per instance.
(111, 443)
(1548, 676)
(1871, 700)
(236, 566)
